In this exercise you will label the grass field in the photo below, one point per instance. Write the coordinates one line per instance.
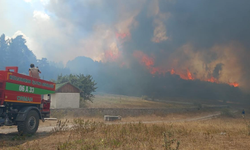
(221, 133)
(120, 101)
(225, 132)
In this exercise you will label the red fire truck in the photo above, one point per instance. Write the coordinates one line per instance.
(23, 100)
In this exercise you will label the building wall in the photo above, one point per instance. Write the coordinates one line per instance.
(53, 101)
(65, 100)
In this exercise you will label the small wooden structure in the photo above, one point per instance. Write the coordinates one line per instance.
(66, 96)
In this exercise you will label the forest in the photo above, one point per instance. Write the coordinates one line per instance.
(108, 77)
(14, 52)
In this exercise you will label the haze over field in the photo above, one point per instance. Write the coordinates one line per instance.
(172, 48)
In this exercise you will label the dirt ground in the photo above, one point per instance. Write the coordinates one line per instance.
(173, 117)
(202, 129)
(196, 130)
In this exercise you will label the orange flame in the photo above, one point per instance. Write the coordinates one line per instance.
(212, 79)
(111, 56)
(144, 58)
(172, 71)
(186, 75)
(234, 84)
(189, 75)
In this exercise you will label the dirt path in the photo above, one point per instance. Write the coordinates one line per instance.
(46, 129)
(206, 117)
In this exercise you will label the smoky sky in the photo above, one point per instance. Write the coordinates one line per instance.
(217, 69)
(209, 38)
(206, 23)
(203, 23)
(84, 15)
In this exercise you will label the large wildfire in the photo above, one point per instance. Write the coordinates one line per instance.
(114, 54)
(185, 74)
(149, 63)
(157, 43)
(217, 64)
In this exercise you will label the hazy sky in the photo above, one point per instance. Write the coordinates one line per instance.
(52, 29)
(61, 30)
(22, 17)
(209, 38)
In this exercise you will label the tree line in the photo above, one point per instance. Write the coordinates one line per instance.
(14, 52)
(111, 78)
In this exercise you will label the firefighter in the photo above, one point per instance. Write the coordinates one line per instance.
(34, 71)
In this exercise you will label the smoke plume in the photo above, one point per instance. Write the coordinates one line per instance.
(157, 44)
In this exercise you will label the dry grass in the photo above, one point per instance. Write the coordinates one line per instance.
(220, 133)
(119, 101)
(154, 117)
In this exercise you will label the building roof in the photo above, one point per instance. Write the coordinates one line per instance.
(61, 85)
(58, 86)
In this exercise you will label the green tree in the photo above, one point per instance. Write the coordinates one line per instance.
(14, 52)
(85, 83)
(3, 51)
(19, 55)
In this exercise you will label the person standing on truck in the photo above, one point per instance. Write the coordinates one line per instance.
(34, 71)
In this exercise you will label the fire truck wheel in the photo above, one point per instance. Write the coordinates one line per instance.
(30, 124)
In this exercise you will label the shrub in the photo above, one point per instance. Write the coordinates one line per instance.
(61, 126)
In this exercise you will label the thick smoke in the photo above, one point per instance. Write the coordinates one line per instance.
(159, 45)
(217, 69)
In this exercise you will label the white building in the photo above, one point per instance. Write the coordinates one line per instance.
(66, 96)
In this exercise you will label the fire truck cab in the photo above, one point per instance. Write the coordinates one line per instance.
(21, 100)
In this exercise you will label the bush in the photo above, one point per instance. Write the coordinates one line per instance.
(170, 142)
(61, 126)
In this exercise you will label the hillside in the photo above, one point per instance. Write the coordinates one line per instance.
(120, 101)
